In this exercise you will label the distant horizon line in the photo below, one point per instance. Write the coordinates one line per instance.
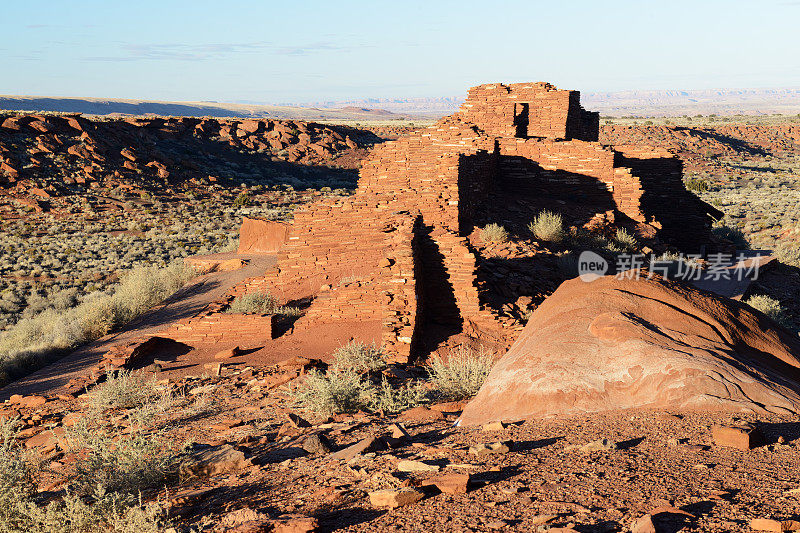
(396, 99)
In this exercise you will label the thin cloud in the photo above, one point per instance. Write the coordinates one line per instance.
(205, 52)
(309, 49)
(43, 26)
(180, 52)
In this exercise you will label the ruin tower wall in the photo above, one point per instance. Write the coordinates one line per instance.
(396, 252)
(529, 110)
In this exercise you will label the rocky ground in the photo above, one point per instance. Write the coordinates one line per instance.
(251, 462)
(244, 460)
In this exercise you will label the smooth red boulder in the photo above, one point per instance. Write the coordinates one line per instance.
(622, 343)
(262, 236)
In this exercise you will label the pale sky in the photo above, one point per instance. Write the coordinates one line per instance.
(304, 51)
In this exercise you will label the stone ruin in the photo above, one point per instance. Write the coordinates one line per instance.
(397, 252)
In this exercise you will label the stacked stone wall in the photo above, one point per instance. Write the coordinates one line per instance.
(220, 328)
(395, 251)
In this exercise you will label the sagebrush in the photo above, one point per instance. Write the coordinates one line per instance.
(770, 307)
(34, 341)
(547, 226)
(359, 357)
(461, 376)
(262, 303)
(494, 233)
(22, 512)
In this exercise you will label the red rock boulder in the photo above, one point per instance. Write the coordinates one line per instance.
(617, 344)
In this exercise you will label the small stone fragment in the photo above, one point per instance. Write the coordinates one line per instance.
(644, 525)
(776, 526)
(599, 445)
(491, 448)
(416, 466)
(317, 443)
(741, 438)
(214, 460)
(298, 421)
(494, 426)
(227, 354)
(370, 444)
(293, 523)
(393, 498)
(421, 414)
(449, 483)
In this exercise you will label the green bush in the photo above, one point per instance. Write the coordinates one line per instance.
(732, 234)
(494, 233)
(261, 303)
(698, 184)
(625, 241)
(337, 391)
(462, 375)
(770, 307)
(547, 226)
(35, 340)
(124, 464)
(20, 511)
(123, 389)
(788, 254)
(358, 357)
(567, 264)
(393, 400)
(242, 200)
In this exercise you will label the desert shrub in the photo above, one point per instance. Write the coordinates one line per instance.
(143, 287)
(107, 512)
(462, 375)
(769, 306)
(255, 302)
(732, 234)
(17, 479)
(358, 357)
(567, 264)
(547, 226)
(494, 233)
(261, 303)
(231, 246)
(673, 265)
(123, 389)
(21, 512)
(393, 400)
(625, 241)
(243, 200)
(697, 184)
(123, 464)
(788, 255)
(583, 239)
(337, 391)
(35, 340)
(389, 399)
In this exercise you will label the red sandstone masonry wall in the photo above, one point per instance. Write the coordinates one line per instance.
(221, 327)
(504, 110)
(356, 255)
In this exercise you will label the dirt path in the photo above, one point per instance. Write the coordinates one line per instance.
(185, 303)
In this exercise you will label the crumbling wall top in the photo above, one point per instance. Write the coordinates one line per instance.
(529, 110)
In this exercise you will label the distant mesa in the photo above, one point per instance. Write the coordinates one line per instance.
(366, 111)
(117, 107)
